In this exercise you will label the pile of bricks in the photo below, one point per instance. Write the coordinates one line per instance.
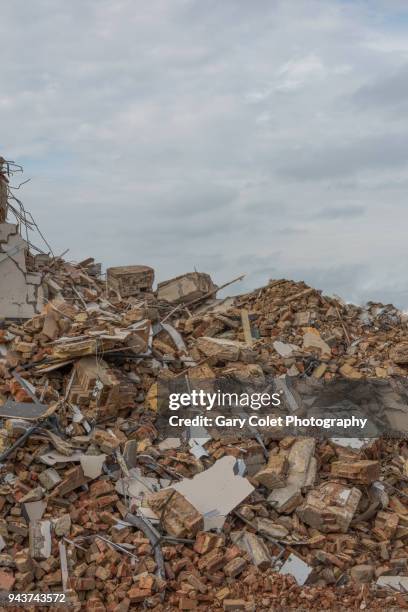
(326, 524)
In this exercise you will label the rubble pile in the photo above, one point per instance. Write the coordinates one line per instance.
(97, 503)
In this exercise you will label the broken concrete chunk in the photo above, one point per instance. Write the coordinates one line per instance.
(362, 573)
(284, 349)
(302, 468)
(313, 340)
(378, 493)
(130, 280)
(197, 449)
(273, 476)
(296, 567)
(330, 507)
(33, 511)
(49, 478)
(302, 463)
(220, 348)
(130, 453)
(398, 583)
(285, 500)
(62, 525)
(362, 472)
(185, 288)
(169, 444)
(254, 546)
(50, 326)
(40, 539)
(92, 465)
(136, 485)
(275, 530)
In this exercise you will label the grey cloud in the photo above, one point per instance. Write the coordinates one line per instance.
(340, 212)
(372, 152)
(389, 92)
(339, 279)
(221, 135)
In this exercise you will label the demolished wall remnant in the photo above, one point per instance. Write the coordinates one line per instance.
(130, 280)
(21, 292)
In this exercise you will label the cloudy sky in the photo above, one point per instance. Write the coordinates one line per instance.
(267, 137)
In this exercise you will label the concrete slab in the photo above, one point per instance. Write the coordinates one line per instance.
(21, 292)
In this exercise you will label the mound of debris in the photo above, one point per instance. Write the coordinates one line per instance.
(96, 504)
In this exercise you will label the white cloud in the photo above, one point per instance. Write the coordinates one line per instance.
(295, 73)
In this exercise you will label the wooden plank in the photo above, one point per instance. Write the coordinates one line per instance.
(246, 327)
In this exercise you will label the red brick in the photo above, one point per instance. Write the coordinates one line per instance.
(206, 542)
(100, 487)
(7, 581)
(187, 604)
(135, 594)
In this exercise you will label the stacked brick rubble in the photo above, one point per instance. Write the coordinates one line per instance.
(93, 358)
